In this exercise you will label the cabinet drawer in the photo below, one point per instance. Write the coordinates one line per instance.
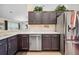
(46, 35)
(23, 35)
(55, 35)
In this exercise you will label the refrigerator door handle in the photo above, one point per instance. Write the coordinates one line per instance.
(68, 28)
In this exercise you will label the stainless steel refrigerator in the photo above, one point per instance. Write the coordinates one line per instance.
(68, 26)
(71, 37)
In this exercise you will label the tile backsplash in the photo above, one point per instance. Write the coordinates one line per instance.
(42, 28)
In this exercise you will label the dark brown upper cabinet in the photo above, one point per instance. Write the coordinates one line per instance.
(31, 18)
(35, 18)
(45, 17)
(52, 18)
(38, 17)
(49, 17)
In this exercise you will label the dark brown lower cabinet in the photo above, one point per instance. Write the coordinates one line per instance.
(23, 42)
(46, 43)
(55, 42)
(50, 42)
(3, 47)
(12, 45)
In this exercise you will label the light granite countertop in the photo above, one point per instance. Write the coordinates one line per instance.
(6, 35)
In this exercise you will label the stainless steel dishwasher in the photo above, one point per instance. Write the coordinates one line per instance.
(35, 42)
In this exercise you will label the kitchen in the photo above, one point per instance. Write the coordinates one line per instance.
(36, 32)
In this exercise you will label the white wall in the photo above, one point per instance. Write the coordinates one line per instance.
(42, 28)
(13, 11)
(2, 24)
(73, 7)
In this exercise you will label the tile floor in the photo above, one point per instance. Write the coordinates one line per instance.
(39, 53)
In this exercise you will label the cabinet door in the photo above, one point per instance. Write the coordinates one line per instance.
(12, 45)
(52, 18)
(55, 42)
(34, 17)
(15, 44)
(45, 17)
(3, 47)
(49, 17)
(46, 44)
(31, 17)
(19, 42)
(24, 43)
(38, 18)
